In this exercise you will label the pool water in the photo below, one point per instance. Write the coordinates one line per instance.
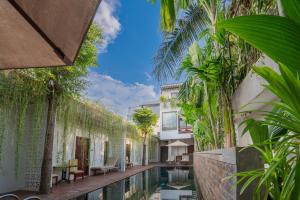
(159, 183)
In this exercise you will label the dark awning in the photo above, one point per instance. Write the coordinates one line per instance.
(43, 33)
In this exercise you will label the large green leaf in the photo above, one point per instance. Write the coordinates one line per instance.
(278, 37)
(291, 9)
(258, 132)
(296, 190)
(168, 14)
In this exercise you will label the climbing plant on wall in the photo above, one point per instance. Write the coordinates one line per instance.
(92, 118)
(18, 92)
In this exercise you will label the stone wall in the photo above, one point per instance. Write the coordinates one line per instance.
(212, 167)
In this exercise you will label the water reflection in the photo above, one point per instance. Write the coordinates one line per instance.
(153, 184)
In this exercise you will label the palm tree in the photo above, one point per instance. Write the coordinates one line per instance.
(201, 78)
(199, 23)
(145, 119)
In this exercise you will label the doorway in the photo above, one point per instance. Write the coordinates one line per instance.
(82, 153)
(190, 149)
(106, 151)
(128, 152)
(163, 154)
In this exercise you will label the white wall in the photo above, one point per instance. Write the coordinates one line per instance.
(27, 175)
(250, 95)
(31, 159)
(174, 151)
(167, 107)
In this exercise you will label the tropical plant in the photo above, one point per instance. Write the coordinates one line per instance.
(202, 77)
(65, 81)
(276, 36)
(196, 22)
(145, 119)
(277, 137)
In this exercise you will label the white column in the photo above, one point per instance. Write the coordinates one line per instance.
(147, 152)
(123, 151)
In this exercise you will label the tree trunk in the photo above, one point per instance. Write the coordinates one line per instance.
(228, 121)
(144, 150)
(46, 171)
(280, 8)
(211, 117)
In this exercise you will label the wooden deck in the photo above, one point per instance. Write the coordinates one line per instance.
(65, 191)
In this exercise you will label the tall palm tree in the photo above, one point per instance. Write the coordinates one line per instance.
(198, 22)
(200, 77)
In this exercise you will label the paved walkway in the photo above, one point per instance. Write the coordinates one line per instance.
(66, 191)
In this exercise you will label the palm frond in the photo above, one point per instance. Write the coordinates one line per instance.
(176, 43)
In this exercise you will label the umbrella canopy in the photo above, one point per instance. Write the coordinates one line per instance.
(43, 33)
(178, 187)
(177, 143)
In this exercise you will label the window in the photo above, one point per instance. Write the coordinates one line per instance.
(169, 121)
(174, 95)
(184, 127)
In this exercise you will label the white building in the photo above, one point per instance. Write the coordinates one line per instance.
(171, 126)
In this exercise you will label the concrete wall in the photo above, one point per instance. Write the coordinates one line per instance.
(211, 167)
(249, 96)
(27, 174)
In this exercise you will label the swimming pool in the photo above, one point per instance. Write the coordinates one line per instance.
(159, 183)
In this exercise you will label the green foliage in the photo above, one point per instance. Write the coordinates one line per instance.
(220, 64)
(259, 132)
(291, 9)
(169, 10)
(145, 119)
(88, 53)
(277, 138)
(93, 119)
(176, 43)
(276, 36)
(18, 93)
(168, 15)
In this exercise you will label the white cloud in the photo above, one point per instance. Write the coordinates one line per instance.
(108, 20)
(116, 95)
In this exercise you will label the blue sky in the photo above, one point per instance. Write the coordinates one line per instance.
(131, 38)
(129, 57)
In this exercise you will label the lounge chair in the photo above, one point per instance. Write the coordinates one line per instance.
(73, 170)
(15, 197)
(55, 178)
(111, 165)
(9, 197)
(185, 160)
(170, 161)
(32, 198)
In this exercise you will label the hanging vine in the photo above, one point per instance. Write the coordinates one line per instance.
(17, 93)
(20, 93)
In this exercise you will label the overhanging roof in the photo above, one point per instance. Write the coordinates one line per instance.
(43, 33)
(177, 143)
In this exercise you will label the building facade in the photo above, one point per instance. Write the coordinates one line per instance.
(172, 127)
(176, 137)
